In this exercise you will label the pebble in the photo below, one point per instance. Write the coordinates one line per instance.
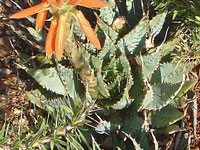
(5, 71)
(17, 111)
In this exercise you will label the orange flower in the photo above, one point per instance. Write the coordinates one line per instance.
(50, 40)
(57, 33)
(40, 19)
(60, 36)
(89, 3)
(88, 31)
(30, 11)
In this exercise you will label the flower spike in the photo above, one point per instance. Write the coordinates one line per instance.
(50, 40)
(30, 11)
(87, 29)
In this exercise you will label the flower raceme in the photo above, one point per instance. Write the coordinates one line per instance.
(55, 40)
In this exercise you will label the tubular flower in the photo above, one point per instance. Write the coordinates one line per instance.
(55, 40)
(40, 19)
(50, 40)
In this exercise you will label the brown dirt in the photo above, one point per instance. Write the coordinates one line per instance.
(14, 108)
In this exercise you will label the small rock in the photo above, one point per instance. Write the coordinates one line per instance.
(17, 111)
(5, 71)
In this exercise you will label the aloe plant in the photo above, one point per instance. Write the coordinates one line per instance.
(126, 79)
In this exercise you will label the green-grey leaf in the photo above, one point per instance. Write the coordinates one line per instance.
(169, 46)
(169, 73)
(166, 116)
(108, 13)
(93, 61)
(159, 95)
(108, 31)
(125, 101)
(102, 86)
(178, 101)
(131, 124)
(108, 50)
(169, 129)
(149, 63)
(157, 22)
(125, 64)
(134, 41)
(45, 99)
(38, 36)
(50, 79)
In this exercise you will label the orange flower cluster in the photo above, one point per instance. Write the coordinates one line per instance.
(55, 40)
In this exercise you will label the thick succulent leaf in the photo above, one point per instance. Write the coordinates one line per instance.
(108, 31)
(178, 100)
(41, 97)
(111, 77)
(115, 75)
(169, 129)
(134, 41)
(108, 13)
(142, 139)
(38, 36)
(109, 69)
(106, 127)
(159, 95)
(108, 50)
(157, 22)
(169, 46)
(124, 65)
(149, 63)
(138, 85)
(27, 37)
(50, 79)
(125, 101)
(137, 103)
(170, 73)
(93, 61)
(25, 60)
(132, 124)
(115, 83)
(136, 145)
(166, 116)
(102, 86)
